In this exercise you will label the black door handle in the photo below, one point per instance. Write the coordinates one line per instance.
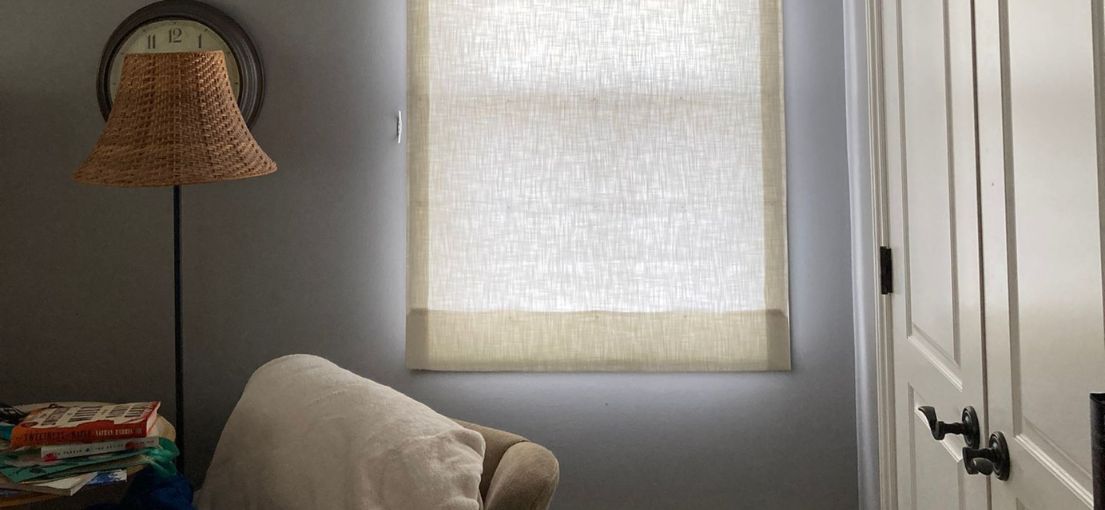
(967, 426)
(991, 460)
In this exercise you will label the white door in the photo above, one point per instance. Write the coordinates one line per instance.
(1041, 145)
(932, 186)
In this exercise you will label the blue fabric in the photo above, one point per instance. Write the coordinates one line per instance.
(154, 490)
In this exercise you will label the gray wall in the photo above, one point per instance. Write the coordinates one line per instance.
(311, 259)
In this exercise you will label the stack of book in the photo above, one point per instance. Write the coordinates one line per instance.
(62, 449)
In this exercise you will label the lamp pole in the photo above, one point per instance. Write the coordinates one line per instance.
(178, 328)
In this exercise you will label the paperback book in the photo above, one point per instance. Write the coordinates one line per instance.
(62, 486)
(68, 451)
(85, 424)
(26, 465)
(67, 486)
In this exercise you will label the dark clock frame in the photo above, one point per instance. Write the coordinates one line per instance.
(252, 84)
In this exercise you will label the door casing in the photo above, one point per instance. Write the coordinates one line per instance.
(870, 229)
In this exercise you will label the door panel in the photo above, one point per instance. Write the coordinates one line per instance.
(932, 200)
(928, 191)
(1041, 215)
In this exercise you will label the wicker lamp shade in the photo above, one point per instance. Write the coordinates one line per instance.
(174, 121)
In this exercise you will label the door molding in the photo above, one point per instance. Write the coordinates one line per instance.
(869, 229)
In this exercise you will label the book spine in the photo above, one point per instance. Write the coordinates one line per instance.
(67, 436)
(68, 451)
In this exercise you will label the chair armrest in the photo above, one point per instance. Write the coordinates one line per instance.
(525, 479)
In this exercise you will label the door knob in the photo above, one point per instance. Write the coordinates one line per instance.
(991, 460)
(967, 426)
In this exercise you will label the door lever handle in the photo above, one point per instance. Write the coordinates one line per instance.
(991, 460)
(967, 426)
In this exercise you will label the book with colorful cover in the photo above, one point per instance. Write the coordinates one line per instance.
(23, 465)
(67, 486)
(30, 467)
(57, 425)
(74, 484)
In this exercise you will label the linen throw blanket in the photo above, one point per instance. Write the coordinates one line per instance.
(308, 434)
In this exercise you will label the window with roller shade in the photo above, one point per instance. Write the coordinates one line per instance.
(596, 185)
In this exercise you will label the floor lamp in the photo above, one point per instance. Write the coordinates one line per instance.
(174, 121)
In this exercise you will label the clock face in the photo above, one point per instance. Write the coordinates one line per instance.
(173, 36)
(174, 26)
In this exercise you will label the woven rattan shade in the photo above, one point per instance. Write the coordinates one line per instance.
(174, 121)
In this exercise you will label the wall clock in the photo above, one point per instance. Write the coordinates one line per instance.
(184, 25)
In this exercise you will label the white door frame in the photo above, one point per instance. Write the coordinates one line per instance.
(869, 226)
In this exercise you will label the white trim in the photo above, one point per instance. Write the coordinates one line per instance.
(873, 364)
(883, 339)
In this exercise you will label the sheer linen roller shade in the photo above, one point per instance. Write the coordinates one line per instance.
(596, 185)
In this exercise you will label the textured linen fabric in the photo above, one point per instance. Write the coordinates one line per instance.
(596, 185)
(307, 434)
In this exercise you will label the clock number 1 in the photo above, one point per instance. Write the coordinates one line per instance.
(200, 39)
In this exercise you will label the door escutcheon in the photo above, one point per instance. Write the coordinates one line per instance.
(991, 460)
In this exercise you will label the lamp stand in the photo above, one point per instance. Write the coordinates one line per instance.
(178, 329)
(155, 138)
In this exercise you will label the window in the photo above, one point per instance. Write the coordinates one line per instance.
(596, 185)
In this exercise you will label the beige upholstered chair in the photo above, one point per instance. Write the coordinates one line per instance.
(370, 446)
(517, 474)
